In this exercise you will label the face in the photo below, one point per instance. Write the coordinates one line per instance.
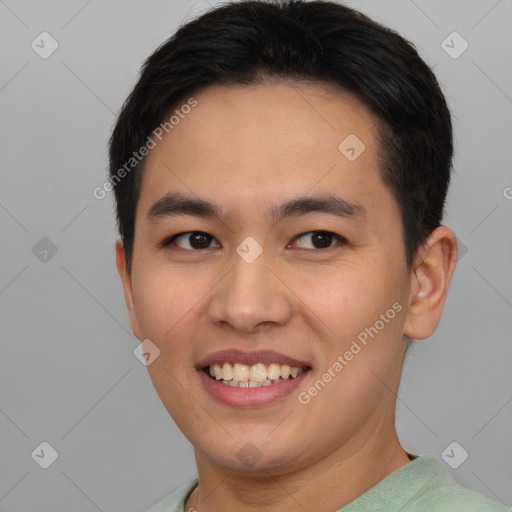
(298, 260)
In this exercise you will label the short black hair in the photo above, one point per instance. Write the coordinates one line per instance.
(247, 41)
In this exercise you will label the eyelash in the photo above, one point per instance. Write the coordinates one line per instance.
(341, 240)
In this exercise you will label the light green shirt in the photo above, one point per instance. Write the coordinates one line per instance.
(422, 485)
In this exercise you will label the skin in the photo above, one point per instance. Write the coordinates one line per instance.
(246, 149)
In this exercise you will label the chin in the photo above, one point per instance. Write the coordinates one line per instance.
(249, 454)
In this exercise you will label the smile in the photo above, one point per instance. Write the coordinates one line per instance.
(250, 379)
(253, 376)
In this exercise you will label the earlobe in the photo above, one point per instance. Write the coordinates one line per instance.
(430, 280)
(126, 280)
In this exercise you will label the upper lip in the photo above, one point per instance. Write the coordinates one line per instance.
(250, 358)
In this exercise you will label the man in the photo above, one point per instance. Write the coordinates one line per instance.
(280, 172)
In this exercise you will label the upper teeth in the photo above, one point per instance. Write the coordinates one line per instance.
(256, 373)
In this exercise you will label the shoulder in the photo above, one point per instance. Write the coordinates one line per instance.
(440, 492)
(457, 498)
(423, 485)
(175, 502)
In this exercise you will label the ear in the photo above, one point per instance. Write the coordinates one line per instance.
(126, 280)
(432, 271)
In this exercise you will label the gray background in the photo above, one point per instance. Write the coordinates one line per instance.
(68, 375)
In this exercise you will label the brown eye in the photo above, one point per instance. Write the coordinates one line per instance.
(320, 239)
(192, 240)
(199, 240)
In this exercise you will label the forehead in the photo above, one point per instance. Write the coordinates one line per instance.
(280, 114)
(266, 141)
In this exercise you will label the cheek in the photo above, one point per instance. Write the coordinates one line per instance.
(358, 311)
(362, 347)
(164, 300)
(347, 298)
(166, 303)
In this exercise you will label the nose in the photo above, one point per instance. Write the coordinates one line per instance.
(251, 297)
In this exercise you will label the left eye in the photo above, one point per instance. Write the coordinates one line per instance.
(321, 239)
(194, 240)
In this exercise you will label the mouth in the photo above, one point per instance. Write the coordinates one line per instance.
(254, 376)
(251, 379)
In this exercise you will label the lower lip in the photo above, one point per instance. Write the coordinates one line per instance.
(250, 397)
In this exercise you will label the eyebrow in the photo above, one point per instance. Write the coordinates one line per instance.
(329, 204)
(177, 204)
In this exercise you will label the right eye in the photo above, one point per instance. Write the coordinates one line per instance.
(190, 240)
